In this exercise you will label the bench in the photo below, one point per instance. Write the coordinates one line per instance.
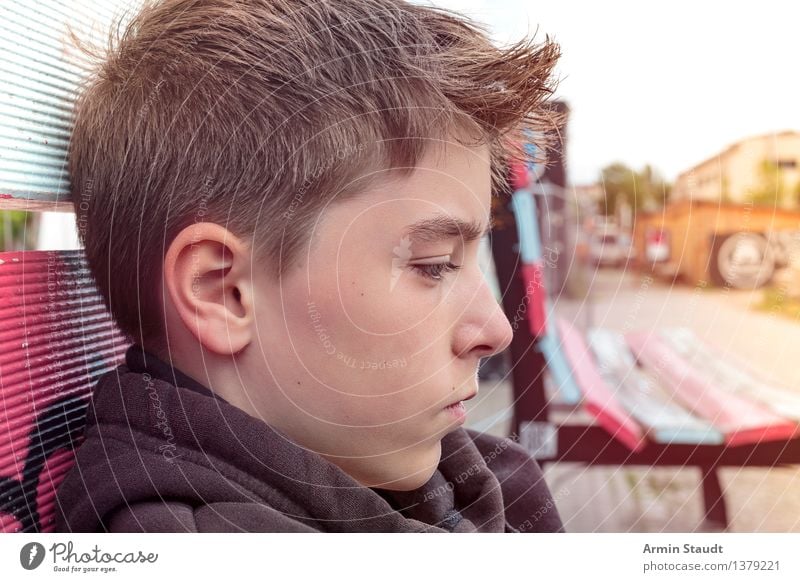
(654, 397)
(56, 336)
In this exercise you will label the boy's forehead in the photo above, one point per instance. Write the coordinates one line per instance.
(427, 209)
(448, 193)
(452, 155)
(447, 169)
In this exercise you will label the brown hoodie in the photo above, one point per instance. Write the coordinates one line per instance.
(164, 454)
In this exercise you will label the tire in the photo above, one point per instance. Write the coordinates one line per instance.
(741, 260)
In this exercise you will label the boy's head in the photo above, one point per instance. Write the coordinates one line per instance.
(285, 199)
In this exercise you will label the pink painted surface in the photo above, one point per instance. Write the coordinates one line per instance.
(55, 469)
(599, 399)
(56, 339)
(741, 420)
(9, 523)
(536, 293)
(519, 175)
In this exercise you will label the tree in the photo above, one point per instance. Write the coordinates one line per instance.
(622, 184)
(13, 229)
(770, 189)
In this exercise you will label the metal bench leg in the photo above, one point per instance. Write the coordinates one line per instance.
(713, 499)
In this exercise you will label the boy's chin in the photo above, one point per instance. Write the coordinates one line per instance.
(413, 470)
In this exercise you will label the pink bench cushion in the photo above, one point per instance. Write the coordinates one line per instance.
(56, 339)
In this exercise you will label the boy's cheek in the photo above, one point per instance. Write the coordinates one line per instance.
(386, 406)
(336, 350)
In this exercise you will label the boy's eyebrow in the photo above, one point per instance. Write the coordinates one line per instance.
(443, 227)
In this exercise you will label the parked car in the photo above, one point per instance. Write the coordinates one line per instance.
(605, 249)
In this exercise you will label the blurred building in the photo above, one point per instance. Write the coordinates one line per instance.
(751, 168)
(589, 194)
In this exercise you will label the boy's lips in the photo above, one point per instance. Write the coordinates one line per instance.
(469, 397)
(457, 408)
(458, 411)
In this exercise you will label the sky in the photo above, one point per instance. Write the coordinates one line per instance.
(670, 83)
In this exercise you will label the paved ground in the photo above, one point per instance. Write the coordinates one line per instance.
(665, 499)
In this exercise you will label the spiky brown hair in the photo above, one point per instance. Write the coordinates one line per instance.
(257, 113)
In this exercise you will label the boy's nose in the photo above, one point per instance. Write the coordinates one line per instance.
(485, 329)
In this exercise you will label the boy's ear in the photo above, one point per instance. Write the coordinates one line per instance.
(208, 279)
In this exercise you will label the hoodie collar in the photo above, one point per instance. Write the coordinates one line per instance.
(145, 362)
(463, 494)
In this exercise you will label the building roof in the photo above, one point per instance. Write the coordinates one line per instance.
(734, 146)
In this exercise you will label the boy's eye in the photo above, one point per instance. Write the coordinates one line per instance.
(436, 270)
